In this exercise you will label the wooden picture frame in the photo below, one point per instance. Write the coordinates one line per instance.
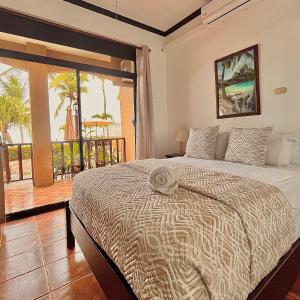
(237, 84)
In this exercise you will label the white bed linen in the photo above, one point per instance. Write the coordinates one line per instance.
(287, 179)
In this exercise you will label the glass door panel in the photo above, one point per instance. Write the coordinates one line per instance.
(39, 136)
(15, 116)
(63, 106)
(15, 132)
(107, 114)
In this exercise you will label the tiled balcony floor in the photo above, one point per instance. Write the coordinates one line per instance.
(22, 195)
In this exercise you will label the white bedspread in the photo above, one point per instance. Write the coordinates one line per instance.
(287, 179)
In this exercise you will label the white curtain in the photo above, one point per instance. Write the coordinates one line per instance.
(145, 142)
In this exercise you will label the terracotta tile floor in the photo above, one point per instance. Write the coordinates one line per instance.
(22, 195)
(35, 262)
(294, 294)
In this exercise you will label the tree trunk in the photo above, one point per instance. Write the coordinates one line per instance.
(104, 95)
(21, 133)
(6, 136)
(104, 103)
(223, 84)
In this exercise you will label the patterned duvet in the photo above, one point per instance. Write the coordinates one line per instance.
(215, 238)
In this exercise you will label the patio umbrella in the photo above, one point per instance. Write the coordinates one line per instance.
(70, 133)
(102, 124)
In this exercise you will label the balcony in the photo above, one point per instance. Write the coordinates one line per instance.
(18, 174)
(41, 124)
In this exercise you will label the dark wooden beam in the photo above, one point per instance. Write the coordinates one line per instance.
(113, 15)
(30, 27)
(64, 63)
(186, 20)
(121, 18)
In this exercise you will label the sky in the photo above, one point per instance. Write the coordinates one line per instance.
(91, 103)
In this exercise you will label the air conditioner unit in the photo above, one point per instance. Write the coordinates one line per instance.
(217, 9)
(127, 66)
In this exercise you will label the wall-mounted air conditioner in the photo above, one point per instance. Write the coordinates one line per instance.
(216, 10)
(127, 66)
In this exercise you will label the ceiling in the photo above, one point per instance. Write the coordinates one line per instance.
(160, 14)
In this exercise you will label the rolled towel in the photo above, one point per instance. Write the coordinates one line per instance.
(164, 180)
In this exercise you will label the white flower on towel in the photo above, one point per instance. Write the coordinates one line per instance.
(164, 180)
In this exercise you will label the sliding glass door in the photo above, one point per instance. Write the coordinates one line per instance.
(70, 116)
(107, 116)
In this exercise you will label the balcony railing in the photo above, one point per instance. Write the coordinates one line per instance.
(18, 158)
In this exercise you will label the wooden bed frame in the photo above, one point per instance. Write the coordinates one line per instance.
(274, 287)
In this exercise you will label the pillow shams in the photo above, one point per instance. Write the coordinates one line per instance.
(248, 145)
(201, 142)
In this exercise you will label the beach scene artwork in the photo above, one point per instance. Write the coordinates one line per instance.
(237, 84)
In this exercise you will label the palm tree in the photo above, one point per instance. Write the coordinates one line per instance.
(103, 116)
(14, 106)
(62, 127)
(104, 94)
(229, 64)
(66, 86)
(8, 108)
(24, 120)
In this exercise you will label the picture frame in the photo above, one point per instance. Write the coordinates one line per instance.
(237, 84)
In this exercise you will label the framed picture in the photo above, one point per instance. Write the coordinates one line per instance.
(237, 84)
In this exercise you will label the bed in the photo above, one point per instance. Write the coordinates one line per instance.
(287, 178)
(102, 250)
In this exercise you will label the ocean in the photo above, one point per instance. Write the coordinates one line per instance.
(240, 88)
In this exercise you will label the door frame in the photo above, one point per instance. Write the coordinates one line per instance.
(77, 67)
(2, 195)
(20, 24)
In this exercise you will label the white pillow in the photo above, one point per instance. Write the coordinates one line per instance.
(280, 151)
(296, 154)
(294, 138)
(221, 145)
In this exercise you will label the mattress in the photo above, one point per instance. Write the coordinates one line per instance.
(287, 179)
(212, 237)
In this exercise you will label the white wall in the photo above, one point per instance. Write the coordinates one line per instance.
(183, 75)
(275, 26)
(70, 15)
